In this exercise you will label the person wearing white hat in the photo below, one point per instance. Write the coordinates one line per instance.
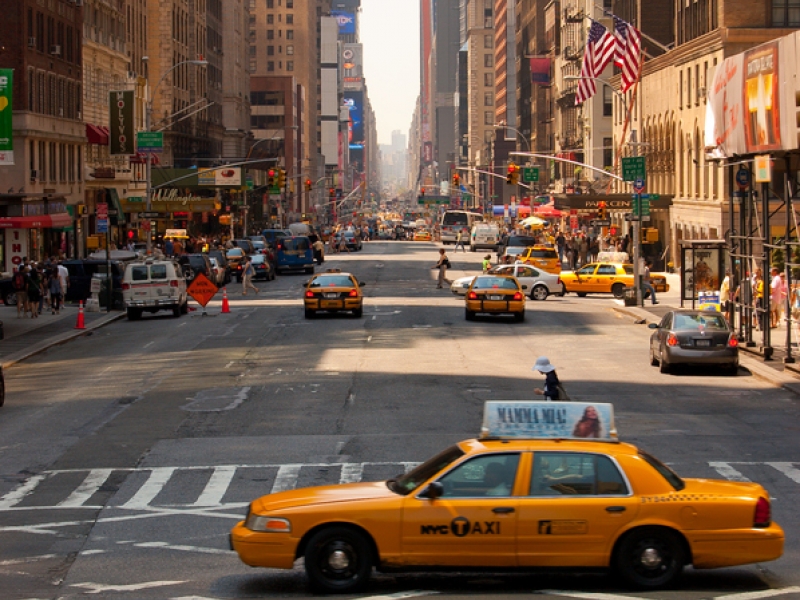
(551, 382)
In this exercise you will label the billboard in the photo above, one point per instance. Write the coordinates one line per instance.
(220, 177)
(346, 21)
(354, 101)
(6, 96)
(352, 63)
(751, 101)
(121, 135)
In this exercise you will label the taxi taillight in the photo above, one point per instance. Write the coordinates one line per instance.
(472, 296)
(763, 513)
(309, 294)
(353, 294)
(518, 296)
(672, 340)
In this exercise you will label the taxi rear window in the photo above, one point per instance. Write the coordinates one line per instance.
(413, 479)
(502, 283)
(663, 470)
(332, 281)
(543, 254)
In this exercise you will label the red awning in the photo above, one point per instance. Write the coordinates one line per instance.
(547, 210)
(40, 222)
(140, 158)
(97, 134)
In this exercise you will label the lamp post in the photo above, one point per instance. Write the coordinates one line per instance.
(515, 130)
(269, 139)
(148, 115)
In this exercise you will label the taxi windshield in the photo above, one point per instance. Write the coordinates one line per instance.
(413, 479)
(332, 281)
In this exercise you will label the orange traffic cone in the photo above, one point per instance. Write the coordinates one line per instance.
(225, 306)
(80, 324)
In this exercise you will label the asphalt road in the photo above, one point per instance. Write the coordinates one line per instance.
(126, 456)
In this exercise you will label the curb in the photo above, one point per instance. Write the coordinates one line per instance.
(756, 367)
(57, 340)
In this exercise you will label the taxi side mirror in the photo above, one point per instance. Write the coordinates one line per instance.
(434, 490)
(305, 283)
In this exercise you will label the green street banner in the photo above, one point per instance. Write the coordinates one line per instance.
(6, 141)
(120, 110)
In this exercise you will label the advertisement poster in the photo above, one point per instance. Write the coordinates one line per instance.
(354, 101)
(702, 272)
(120, 110)
(761, 101)
(346, 21)
(217, 177)
(6, 95)
(523, 419)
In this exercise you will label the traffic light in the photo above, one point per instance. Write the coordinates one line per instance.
(271, 178)
(281, 178)
(601, 208)
(512, 178)
(308, 185)
(456, 180)
(332, 193)
(422, 192)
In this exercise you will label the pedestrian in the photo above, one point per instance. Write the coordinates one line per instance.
(725, 296)
(20, 285)
(760, 313)
(460, 241)
(647, 282)
(247, 277)
(777, 296)
(44, 296)
(319, 251)
(487, 263)
(34, 293)
(552, 386)
(54, 285)
(442, 264)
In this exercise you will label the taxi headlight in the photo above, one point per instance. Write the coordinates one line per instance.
(267, 524)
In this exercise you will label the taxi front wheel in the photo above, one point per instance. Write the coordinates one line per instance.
(650, 558)
(338, 560)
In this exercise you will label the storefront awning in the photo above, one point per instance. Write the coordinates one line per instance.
(38, 222)
(140, 158)
(97, 134)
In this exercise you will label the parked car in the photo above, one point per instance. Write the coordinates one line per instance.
(7, 292)
(694, 337)
(154, 285)
(351, 240)
(81, 272)
(262, 268)
(194, 264)
(246, 245)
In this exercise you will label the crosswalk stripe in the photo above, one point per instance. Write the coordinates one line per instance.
(286, 479)
(94, 480)
(15, 496)
(727, 471)
(216, 487)
(351, 472)
(787, 469)
(159, 477)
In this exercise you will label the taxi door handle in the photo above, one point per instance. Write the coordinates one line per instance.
(615, 509)
(502, 510)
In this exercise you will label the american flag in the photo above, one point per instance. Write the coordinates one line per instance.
(628, 51)
(598, 53)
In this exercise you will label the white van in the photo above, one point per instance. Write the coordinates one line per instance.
(484, 235)
(152, 285)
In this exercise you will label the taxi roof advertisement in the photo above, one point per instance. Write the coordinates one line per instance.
(563, 420)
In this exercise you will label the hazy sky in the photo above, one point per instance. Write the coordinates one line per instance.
(390, 33)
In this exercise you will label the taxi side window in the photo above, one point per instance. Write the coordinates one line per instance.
(491, 475)
(158, 272)
(575, 474)
(587, 270)
(606, 270)
(139, 273)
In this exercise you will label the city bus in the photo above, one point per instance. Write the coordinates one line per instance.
(454, 221)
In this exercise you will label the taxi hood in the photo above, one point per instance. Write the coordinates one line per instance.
(328, 494)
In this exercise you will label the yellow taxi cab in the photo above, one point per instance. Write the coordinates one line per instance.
(532, 493)
(606, 278)
(495, 294)
(542, 257)
(333, 291)
(422, 236)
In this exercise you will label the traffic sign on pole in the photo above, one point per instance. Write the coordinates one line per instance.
(150, 141)
(530, 174)
(638, 185)
(743, 178)
(633, 167)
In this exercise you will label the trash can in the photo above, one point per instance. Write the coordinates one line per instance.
(103, 294)
(629, 297)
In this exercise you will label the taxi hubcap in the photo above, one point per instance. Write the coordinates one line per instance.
(339, 560)
(651, 558)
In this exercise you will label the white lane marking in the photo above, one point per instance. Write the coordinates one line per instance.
(398, 595)
(92, 552)
(97, 588)
(168, 546)
(286, 479)
(351, 399)
(761, 594)
(727, 471)
(148, 344)
(369, 338)
(787, 469)
(159, 477)
(16, 496)
(216, 487)
(94, 480)
(589, 595)
(351, 473)
(374, 318)
(228, 366)
(29, 559)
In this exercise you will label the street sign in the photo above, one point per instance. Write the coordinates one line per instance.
(743, 178)
(600, 222)
(530, 174)
(638, 185)
(631, 217)
(202, 290)
(633, 167)
(102, 225)
(102, 210)
(149, 215)
(150, 141)
(645, 206)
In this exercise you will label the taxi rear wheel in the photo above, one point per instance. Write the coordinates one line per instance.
(358, 312)
(650, 558)
(618, 290)
(338, 560)
(469, 315)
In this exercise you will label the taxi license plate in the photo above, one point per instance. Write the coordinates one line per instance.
(332, 295)
(494, 297)
(702, 343)
(331, 304)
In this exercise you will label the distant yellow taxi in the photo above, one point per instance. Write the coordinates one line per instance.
(495, 294)
(422, 236)
(333, 291)
(542, 257)
(606, 278)
(510, 501)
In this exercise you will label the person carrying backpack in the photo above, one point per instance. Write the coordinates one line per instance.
(20, 285)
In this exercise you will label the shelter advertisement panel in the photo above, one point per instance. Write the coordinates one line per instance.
(6, 96)
(701, 271)
(120, 110)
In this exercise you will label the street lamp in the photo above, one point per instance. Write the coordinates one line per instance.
(515, 130)
(148, 115)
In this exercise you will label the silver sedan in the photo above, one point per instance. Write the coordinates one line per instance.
(539, 284)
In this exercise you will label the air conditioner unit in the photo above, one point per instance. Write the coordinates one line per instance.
(34, 174)
(55, 50)
(31, 42)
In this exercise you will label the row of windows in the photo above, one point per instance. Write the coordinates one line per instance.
(271, 19)
(271, 50)
(271, 4)
(54, 38)
(271, 34)
(52, 95)
(271, 65)
(55, 163)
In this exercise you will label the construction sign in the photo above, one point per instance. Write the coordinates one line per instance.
(202, 290)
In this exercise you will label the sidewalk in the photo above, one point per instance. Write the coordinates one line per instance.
(25, 337)
(774, 371)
